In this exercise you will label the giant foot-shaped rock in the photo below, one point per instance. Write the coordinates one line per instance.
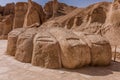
(58, 47)
(75, 52)
(12, 40)
(25, 45)
(46, 52)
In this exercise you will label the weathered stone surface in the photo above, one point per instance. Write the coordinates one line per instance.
(1, 10)
(12, 40)
(101, 54)
(7, 24)
(75, 52)
(20, 12)
(1, 28)
(46, 52)
(59, 9)
(111, 30)
(9, 9)
(100, 48)
(34, 14)
(25, 45)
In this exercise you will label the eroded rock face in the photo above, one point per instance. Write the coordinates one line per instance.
(112, 26)
(52, 47)
(34, 14)
(20, 12)
(46, 47)
(1, 10)
(6, 24)
(25, 45)
(9, 9)
(46, 52)
(59, 9)
(75, 52)
(12, 40)
(100, 50)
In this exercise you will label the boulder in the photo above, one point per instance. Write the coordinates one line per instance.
(46, 52)
(100, 49)
(20, 12)
(101, 54)
(75, 52)
(25, 45)
(12, 40)
(35, 14)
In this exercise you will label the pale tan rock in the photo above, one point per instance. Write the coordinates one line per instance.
(25, 45)
(46, 52)
(20, 12)
(34, 14)
(12, 40)
(75, 52)
(112, 26)
(101, 54)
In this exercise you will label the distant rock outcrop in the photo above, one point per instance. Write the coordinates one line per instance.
(20, 12)
(34, 14)
(9, 9)
(59, 9)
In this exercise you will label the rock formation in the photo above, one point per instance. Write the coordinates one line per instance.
(9, 9)
(25, 45)
(20, 12)
(112, 26)
(59, 9)
(62, 36)
(12, 40)
(51, 50)
(46, 52)
(34, 14)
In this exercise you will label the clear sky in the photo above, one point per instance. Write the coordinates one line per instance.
(78, 3)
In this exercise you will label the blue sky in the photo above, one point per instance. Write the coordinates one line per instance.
(78, 3)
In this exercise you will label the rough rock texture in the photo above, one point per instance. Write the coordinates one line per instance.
(20, 12)
(100, 50)
(25, 45)
(59, 9)
(1, 10)
(111, 30)
(75, 52)
(1, 28)
(47, 51)
(9, 9)
(52, 47)
(12, 40)
(34, 14)
(7, 25)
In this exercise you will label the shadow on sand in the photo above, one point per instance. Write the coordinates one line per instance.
(97, 71)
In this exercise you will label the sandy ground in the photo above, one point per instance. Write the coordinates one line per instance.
(11, 69)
